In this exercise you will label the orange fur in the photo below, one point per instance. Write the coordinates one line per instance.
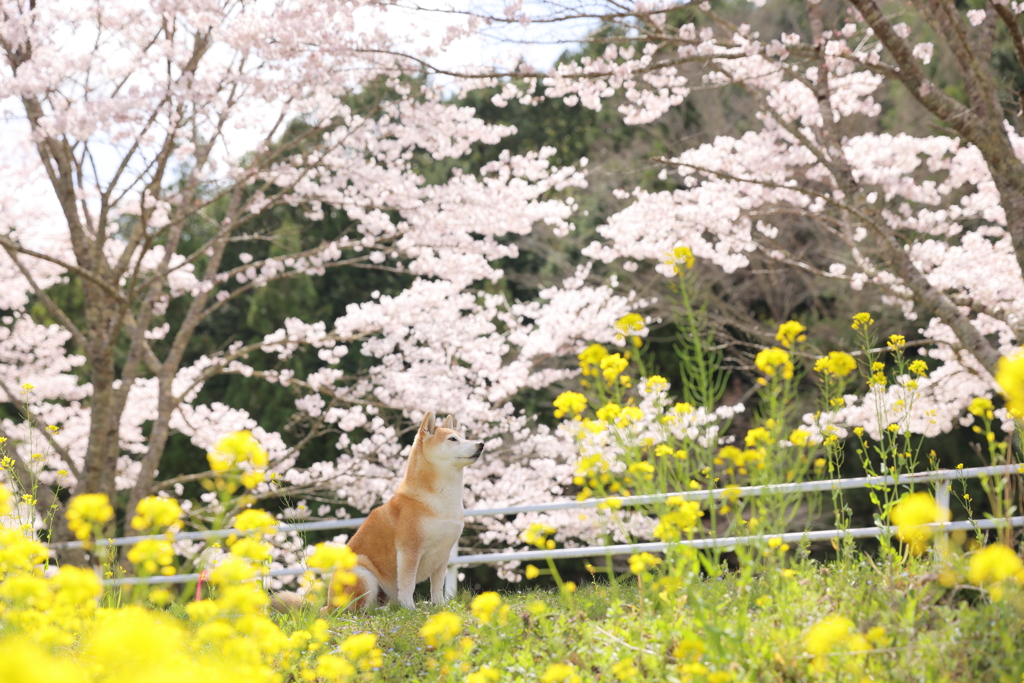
(408, 539)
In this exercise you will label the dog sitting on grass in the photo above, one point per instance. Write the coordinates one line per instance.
(409, 538)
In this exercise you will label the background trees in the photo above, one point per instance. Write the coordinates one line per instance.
(219, 216)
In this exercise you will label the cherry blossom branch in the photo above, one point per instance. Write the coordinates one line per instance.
(24, 410)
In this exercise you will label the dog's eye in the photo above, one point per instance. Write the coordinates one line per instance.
(452, 438)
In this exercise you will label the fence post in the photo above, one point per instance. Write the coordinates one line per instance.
(942, 503)
(451, 576)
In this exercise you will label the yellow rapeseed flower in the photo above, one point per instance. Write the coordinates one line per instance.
(333, 668)
(235, 449)
(790, 332)
(154, 513)
(570, 402)
(629, 325)
(770, 361)
(994, 564)
(681, 256)
(655, 383)
(537, 534)
(441, 629)
(800, 437)
(609, 412)
(362, 651)
(681, 518)
(532, 572)
(641, 562)
(590, 357)
(87, 511)
(918, 367)
(151, 556)
(1010, 378)
(612, 366)
(910, 514)
(758, 436)
(485, 674)
(485, 605)
(896, 342)
(255, 519)
(625, 669)
(560, 673)
(838, 363)
(326, 556)
(629, 415)
(862, 321)
(981, 407)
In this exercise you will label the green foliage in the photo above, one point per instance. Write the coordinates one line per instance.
(749, 628)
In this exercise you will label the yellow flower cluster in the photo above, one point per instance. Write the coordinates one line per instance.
(154, 514)
(441, 629)
(87, 513)
(340, 561)
(680, 256)
(680, 519)
(758, 436)
(838, 363)
(790, 332)
(151, 557)
(918, 367)
(53, 626)
(485, 674)
(488, 607)
(836, 633)
(994, 564)
(612, 366)
(862, 321)
(741, 458)
(241, 452)
(590, 358)
(1010, 378)
(774, 360)
(800, 437)
(910, 514)
(560, 673)
(629, 326)
(569, 402)
(981, 407)
(537, 534)
(641, 562)
(609, 412)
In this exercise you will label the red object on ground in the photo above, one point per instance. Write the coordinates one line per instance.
(199, 585)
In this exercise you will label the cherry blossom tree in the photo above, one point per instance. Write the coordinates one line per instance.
(142, 142)
(932, 222)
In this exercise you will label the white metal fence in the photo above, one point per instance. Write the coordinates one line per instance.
(935, 477)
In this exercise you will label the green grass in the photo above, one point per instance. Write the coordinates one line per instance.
(738, 626)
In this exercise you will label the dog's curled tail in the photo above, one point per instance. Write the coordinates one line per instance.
(363, 593)
(285, 601)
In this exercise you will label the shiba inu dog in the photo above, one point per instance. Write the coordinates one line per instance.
(408, 539)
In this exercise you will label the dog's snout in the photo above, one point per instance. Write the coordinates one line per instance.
(479, 449)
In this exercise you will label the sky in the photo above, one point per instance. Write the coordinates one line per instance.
(499, 43)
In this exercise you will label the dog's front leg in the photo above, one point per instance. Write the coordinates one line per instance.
(408, 562)
(437, 594)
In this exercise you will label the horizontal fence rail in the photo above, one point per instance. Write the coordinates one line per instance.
(623, 501)
(734, 492)
(630, 548)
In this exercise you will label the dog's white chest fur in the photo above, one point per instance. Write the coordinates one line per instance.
(439, 535)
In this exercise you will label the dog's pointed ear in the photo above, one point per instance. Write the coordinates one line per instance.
(450, 423)
(427, 427)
